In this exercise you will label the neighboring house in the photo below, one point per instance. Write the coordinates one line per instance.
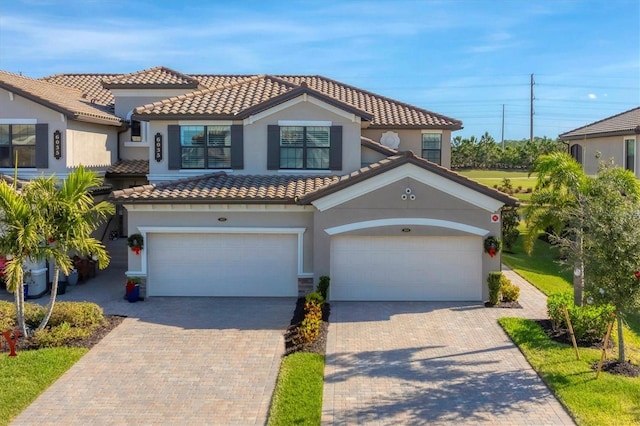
(614, 138)
(258, 185)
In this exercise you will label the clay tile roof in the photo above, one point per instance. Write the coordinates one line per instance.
(222, 188)
(158, 77)
(128, 168)
(395, 161)
(89, 84)
(71, 102)
(223, 101)
(386, 111)
(627, 122)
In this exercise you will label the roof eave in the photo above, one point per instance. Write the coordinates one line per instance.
(451, 127)
(597, 135)
(147, 117)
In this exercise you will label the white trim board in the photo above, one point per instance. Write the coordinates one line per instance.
(407, 221)
(414, 172)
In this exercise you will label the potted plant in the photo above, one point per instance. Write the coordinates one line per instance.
(132, 292)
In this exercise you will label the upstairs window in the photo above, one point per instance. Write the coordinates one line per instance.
(304, 147)
(630, 154)
(18, 142)
(432, 147)
(205, 147)
(136, 131)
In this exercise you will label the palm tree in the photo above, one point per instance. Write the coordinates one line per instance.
(69, 216)
(560, 182)
(49, 221)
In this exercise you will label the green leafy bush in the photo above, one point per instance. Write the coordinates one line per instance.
(315, 298)
(495, 281)
(34, 314)
(7, 316)
(60, 335)
(77, 314)
(510, 292)
(589, 322)
(323, 286)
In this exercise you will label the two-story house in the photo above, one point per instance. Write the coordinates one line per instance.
(257, 185)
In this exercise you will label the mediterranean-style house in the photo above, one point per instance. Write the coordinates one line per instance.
(614, 138)
(257, 185)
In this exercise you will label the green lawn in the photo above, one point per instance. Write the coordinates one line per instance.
(24, 377)
(491, 178)
(610, 400)
(297, 399)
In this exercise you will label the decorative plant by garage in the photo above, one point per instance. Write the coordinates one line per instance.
(492, 245)
(135, 243)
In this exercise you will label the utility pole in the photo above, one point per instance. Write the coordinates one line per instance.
(502, 126)
(531, 111)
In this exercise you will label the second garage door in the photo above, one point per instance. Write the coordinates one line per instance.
(406, 268)
(222, 265)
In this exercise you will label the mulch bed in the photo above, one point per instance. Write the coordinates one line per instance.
(507, 305)
(610, 366)
(291, 334)
(110, 322)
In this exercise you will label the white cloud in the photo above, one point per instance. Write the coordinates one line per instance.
(592, 96)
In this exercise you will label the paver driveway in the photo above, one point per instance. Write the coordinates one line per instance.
(210, 361)
(432, 363)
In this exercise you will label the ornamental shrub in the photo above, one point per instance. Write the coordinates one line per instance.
(494, 281)
(77, 314)
(510, 292)
(323, 286)
(7, 316)
(315, 298)
(60, 335)
(589, 322)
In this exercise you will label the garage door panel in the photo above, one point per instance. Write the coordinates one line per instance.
(222, 265)
(406, 268)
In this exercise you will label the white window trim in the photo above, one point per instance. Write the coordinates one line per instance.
(18, 121)
(635, 152)
(304, 123)
(434, 131)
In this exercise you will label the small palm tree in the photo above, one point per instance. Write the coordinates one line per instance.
(49, 221)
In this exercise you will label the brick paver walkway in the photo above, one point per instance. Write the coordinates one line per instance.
(433, 363)
(173, 361)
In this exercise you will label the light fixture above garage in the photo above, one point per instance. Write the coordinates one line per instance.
(222, 219)
(405, 230)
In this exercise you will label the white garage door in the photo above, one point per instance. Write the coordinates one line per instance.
(406, 268)
(222, 265)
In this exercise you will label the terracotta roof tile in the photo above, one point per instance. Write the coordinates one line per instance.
(623, 123)
(152, 77)
(220, 187)
(128, 168)
(377, 146)
(71, 102)
(89, 84)
(236, 97)
(228, 100)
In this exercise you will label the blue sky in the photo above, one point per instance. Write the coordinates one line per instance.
(462, 58)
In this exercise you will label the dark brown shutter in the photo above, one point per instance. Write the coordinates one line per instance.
(42, 146)
(335, 152)
(174, 151)
(273, 147)
(237, 146)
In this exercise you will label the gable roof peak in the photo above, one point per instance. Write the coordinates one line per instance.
(156, 77)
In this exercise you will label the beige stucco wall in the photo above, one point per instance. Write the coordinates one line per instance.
(91, 145)
(386, 203)
(411, 140)
(370, 156)
(255, 142)
(606, 148)
(88, 145)
(266, 219)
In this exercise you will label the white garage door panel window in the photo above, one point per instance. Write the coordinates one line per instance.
(406, 268)
(222, 265)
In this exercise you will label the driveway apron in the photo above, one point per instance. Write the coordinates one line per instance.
(209, 361)
(433, 363)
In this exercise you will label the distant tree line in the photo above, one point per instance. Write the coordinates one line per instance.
(486, 153)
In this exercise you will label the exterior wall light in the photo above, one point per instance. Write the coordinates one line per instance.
(222, 219)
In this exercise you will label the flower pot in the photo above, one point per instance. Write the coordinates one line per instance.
(72, 278)
(134, 294)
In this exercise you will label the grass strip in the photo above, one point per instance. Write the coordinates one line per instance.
(610, 400)
(24, 377)
(297, 398)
